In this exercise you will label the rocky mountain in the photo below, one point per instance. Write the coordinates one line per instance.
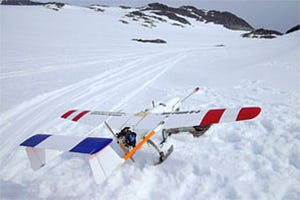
(156, 12)
(50, 5)
(54, 5)
(20, 2)
(295, 28)
(97, 8)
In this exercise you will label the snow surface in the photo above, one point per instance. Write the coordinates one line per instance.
(53, 61)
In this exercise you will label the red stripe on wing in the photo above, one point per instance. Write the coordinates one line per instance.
(77, 117)
(248, 113)
(212, 117)
(67, 114)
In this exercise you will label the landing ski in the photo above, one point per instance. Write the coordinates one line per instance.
(164, 156)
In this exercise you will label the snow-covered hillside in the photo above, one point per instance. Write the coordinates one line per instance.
(52, 61)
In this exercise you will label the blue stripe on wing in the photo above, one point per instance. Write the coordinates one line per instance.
(91, 145)
(34, 140)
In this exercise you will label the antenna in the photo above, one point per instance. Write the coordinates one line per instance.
(194, 91)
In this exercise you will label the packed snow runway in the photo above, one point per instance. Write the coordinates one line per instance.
(52, 62)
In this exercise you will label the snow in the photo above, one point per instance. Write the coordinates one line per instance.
(53, 61)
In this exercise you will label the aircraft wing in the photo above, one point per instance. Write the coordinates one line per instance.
(198, 117)
(147, 121)
(208, 117)
(95, 118)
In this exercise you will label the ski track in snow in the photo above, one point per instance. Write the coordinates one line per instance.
(60, 66)
(83, 95)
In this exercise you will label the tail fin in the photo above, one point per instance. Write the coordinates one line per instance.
(39, 157)
(104, 163)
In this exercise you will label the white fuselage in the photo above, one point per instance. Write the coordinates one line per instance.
(170, 106)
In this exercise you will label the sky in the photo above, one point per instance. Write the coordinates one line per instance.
(278, 15)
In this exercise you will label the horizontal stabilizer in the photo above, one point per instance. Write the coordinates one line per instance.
(103, 160)
(88, 145)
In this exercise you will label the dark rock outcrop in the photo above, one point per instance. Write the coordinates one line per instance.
(171, 13)
(148, 20)
(54, 5)
(51, 5)
(228, 20)
(21, 2)
(97, 8)
(125, 7)
(193, 12)
(262, 33)
(183, 14)
(123, 21)
(172, 16)
(295, 28)
(59, 5)
(158, 41)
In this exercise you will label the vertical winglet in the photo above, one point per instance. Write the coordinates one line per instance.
(104, 163)
(39, 157)
(36, 157)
